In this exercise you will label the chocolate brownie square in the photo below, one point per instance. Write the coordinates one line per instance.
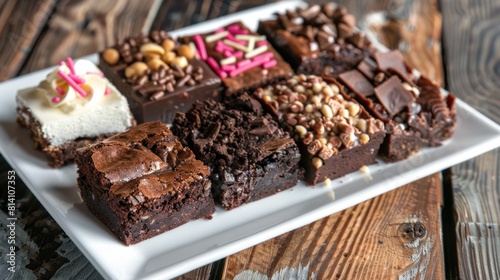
(335, 134)
(317, 39)
(244, 60)
(415, 112)
(143, 182)
(158, 76)
(249, 156)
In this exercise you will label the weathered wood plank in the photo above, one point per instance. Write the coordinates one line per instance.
(80, 28)
(20, 24)
(471, 42)
(396, 235)
(177, 14)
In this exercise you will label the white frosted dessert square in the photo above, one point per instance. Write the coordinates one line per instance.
(73, 107)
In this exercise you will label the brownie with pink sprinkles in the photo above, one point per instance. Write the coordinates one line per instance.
(244, 60)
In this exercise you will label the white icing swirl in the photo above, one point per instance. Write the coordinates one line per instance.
(61, 95)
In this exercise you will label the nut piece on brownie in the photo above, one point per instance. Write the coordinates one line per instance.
(73, 107)
(143, 182)
(249, 155)
(335, 135)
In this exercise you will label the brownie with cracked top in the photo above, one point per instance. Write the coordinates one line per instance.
(158, 76)
(143, 182)
(250, 157)
(412, 106)
(317, 39)
(334, 133)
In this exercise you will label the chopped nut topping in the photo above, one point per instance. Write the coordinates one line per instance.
(321, 117)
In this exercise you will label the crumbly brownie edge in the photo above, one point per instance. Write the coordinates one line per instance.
(57, 156)
(278, 172)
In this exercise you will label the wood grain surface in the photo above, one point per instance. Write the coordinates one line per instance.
(393, 236)
(79, 28)
(472, 42)
(20, 24)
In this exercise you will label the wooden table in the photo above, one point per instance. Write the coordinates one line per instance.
(446, 225)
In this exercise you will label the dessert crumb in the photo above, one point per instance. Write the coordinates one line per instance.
(331, 195)
(328, 182)
(366, 171)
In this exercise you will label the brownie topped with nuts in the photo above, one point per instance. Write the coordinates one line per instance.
(415, 112)
(244, 60)
(335, 134)
(143, 182)
(250, 157)
(317, 39)
(158, 76)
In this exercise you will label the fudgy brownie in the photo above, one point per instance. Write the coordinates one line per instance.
(158, 76)
(335, 134)
(317, 39)
(73, 107)
(244, 60)
(415, 112)
(143, 182)
(249, 156)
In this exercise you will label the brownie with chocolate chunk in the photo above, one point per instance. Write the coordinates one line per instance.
(158, 76)
(334, 133)
(317, 39)
(415, 112)
(250, 157)
(143, 182)
(244, 60)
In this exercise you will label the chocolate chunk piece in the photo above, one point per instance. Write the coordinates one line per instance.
(393, 96)
(393, 60)
(414, 111)
(367, 66)
(357, 83)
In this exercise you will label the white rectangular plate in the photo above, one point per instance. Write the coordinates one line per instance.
(203, 241)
